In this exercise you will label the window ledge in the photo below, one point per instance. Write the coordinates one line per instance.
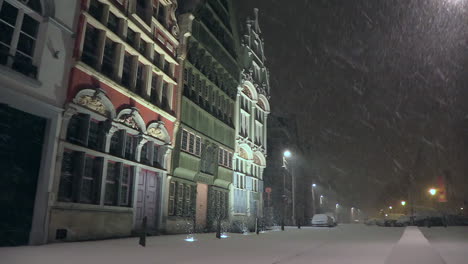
(19, 78)
(91, 207)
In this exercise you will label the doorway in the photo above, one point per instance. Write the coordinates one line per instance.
(21, 140)
(147, 199)
(202, 205)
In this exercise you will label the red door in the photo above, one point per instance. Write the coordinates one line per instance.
(147, 199)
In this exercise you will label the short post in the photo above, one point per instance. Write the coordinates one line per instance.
(143, 232)
(218, 228)
(298, 223)
(257, 228)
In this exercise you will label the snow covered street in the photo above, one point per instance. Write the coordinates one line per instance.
(345, 244)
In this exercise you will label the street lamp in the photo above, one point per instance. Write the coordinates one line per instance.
(287, 154)
(313, 198)
(390, 207)
(433, 191)
(403, 203)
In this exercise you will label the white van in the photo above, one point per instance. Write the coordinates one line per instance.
(322, 220)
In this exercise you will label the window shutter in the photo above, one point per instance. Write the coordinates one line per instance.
(97, 173)
(78, 170)
(118, 182)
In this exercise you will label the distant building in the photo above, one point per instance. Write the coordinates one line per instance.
(35, 53)
(199, 188)
(251, 115)
(116, 138)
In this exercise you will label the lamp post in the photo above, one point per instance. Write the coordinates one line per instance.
(286, 154)
(313, 199)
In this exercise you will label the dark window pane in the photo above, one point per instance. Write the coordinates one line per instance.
(131, 37)
(26, 44)
(35, 5)
(4, 53)
(75, 129)
(89, 47)
(7, 33)
(127, 67)
(113, 23)
(140, 87)
(184, 140)
(94, 133)
(191, 143)
(155, 156)
(88, 181)
(30, 26)
(96, 9)
(8, 13)
(130, 147)
(66, 178)
(115, 144)
(111, 185)
(108, 63)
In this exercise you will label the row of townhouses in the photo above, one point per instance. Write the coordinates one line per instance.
(116, 113)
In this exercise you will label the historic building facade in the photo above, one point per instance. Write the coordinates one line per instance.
(251, 114)
(35, 49)
(203, 158)
(117, 131)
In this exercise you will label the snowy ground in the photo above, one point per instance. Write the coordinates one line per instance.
(345, 244)
(451, 243)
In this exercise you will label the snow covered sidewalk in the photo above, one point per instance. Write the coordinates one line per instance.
(413, 248)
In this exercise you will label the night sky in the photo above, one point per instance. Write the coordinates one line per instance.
(379, 89)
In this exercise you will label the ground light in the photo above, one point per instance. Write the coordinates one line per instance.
(224, 235)
(190, 238)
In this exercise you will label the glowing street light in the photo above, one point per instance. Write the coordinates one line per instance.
(433, 191)
(287, 154)
(403, 203)
(390, 207)
(314, 185)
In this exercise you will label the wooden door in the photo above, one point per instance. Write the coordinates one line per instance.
(147, 199)
(202, 205)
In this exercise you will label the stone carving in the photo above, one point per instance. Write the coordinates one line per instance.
(92, 103)
(156, 133)
(128, 120)
(257, 160)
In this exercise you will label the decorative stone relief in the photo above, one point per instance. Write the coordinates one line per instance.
(128, 120)
(156, 133)
(92, 103)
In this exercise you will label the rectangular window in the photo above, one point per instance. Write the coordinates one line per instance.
(108, 62)
(156, 162)
(157, 59)
(125, 188)
(191, 143)
(78, 129)
(187, 202)
(113, 23)
(140, 82)
(116, 143)
(130, 146)
(66, 178)
(110, 197)
(184, 144)
(89, 54)
(154, 90)
(89, 180)
(221, 156)
(94, 135)
(131, 37)
(180, 199)
(198, 146)
(96, 9)
(171, 205)
(225, 158)
(127, 70)
(144, 156)
(230, 160)
(142, 47)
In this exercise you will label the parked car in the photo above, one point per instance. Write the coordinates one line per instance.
(404, 220)
(371, 221)
(322, 220)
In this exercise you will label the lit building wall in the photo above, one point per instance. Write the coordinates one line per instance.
(116, 140)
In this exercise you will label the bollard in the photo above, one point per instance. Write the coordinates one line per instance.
(143, 233)
(257, 229)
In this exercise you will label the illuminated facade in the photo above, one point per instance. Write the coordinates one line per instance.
(199, 188)
(120, 111)
(251, 114)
